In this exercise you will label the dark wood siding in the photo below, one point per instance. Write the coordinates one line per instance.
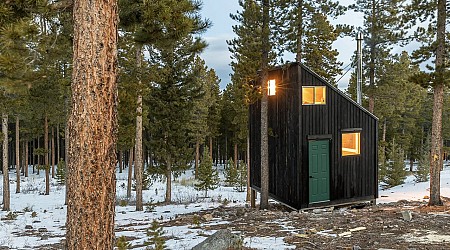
(352, 178)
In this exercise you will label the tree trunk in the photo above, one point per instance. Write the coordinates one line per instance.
(38, 156)
(52, 153)
(120, 161)
(25, 157)
(32, 155)
(436, 130)
(248, 168)
(17, 156)
(168, 198)
(6, 193)
(373, 55)
(93, 127)
(57, 144)
(139, 165)
(46, 160)
(67, 159)
(197, 156)
(264, 202)
(211, 148)
(130, 173)
(236, 156)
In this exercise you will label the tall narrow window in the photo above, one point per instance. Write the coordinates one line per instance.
(351, 143)
(272, 87)
(313, 95)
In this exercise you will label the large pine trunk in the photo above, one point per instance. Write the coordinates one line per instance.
(436, 130)
(17, 156)
(139, 165)
(264, 202)
(46, 161)
(93, 127)
(6, 193)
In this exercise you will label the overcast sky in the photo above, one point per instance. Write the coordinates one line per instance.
(218, 57)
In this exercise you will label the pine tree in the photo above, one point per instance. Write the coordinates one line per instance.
(303, 28)
(382, 29)
(241, 182)
(93, 119)
(156, 234)
(433, 48)
(231, 173)
(395, 174)
(208, 178)
(423, 168)
(61, 172)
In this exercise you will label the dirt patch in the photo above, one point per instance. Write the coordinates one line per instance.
(370, 227)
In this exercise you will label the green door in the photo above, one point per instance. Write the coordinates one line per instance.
(319, 171)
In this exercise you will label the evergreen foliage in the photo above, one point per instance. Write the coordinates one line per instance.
(241, 182)
(156, 236)
(208, 177)
(122, 243)
(395, 174)
(61, 172)
(423, 167)
(231, 173)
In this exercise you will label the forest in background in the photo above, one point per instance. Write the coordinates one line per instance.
(170, 105)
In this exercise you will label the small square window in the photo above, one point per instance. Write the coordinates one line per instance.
(351, 143)
(313, 95)
(271, 88)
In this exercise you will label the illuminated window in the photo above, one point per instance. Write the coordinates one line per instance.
(314, 95)
(272, 87)
(351, 143)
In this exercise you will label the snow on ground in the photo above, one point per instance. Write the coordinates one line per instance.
(47, 214)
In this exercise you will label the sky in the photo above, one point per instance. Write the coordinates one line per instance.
(217, 55)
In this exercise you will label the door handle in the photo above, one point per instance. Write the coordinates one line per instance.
(311, 177)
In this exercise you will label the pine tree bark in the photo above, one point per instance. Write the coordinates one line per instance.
(93, 127)
(52, 152)
(438, 103)
(138, 167)
(264, 202)
(168, 197)
(197, 157)
(17, 156)
(236, 156)
(25, 157)
(46, 161)
(248, 197)
(211, 148)
(130, 173)
(120, 161)
(6, 192)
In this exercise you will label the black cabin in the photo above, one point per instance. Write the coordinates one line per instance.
(322, 144)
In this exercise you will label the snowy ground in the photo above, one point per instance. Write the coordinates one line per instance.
(40, 219)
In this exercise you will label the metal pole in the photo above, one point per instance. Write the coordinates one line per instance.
(359, 71)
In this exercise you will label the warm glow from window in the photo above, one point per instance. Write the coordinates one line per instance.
(272, 87)
(314, 95)
(320, 95)
(351, 143)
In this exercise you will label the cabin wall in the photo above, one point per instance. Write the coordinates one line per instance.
(351, 177)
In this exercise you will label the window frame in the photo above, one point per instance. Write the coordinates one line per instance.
(353, 151)
(315, 88)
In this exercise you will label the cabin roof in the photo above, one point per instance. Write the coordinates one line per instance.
(326, 83)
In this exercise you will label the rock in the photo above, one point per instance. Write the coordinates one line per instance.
(407, 215)
(356, 248)
(208, 217)
(220, 240)
(44, 237)
(28, 227)
(42, 230)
